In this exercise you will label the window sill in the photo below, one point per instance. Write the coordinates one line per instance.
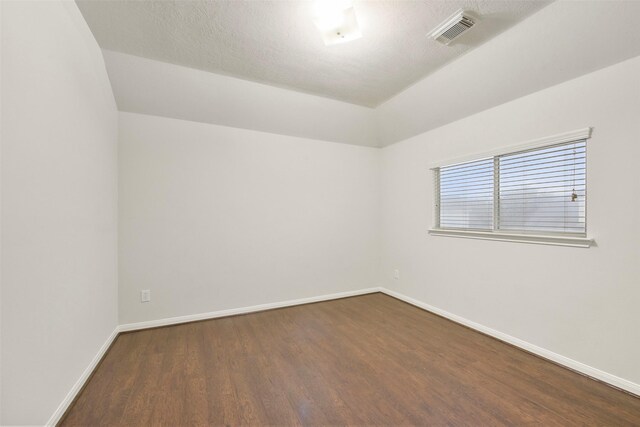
(538, 239)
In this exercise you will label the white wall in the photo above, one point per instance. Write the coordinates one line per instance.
(214, 217)
(157, 88)
(59, 206)
(580, 303)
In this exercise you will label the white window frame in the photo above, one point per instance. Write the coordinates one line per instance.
(558, 239)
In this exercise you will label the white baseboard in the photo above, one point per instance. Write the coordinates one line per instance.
(62, 408)
(243, 310)
(613, 380)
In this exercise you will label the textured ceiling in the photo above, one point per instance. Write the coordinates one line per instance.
(275, 42)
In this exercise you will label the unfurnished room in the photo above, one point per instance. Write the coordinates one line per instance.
(319, 212)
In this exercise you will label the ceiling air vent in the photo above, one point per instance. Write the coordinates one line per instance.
(452, 28)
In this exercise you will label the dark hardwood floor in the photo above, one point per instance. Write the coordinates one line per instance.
(363, 360)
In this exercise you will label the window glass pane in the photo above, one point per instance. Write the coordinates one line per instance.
(544, 190)
(466, 195)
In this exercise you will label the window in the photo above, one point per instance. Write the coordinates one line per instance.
(531, 192)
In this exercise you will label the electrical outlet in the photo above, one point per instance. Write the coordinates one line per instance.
(396, 274)
(145, 295)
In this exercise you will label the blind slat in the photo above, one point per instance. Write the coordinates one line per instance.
(578, 174)
(514, 190)
(562, 198)
(522, 170)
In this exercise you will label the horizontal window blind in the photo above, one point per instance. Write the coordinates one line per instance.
(542, 190)
(466, 195)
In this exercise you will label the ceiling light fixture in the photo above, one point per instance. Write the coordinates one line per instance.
(336, 20)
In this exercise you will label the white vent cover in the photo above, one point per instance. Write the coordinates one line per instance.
(452, 28)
